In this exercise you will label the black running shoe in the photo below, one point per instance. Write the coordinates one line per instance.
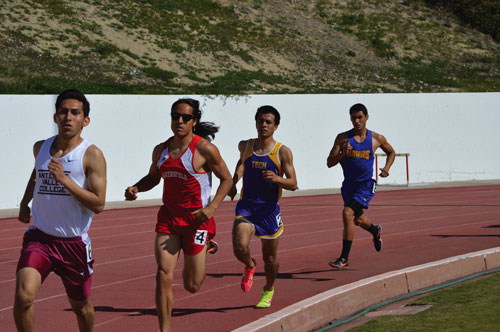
(212, 247)
(340, 263)
(377, 241)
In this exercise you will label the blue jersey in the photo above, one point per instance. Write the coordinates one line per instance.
(358, 163)
(255, 188)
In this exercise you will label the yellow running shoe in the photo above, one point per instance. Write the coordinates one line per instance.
(267, 298)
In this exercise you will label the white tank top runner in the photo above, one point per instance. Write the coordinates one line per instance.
(55, 211)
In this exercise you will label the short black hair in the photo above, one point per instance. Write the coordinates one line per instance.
(358, 107)
(267, 109)
(74, 94)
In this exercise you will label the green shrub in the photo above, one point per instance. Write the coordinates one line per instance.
(483, 15)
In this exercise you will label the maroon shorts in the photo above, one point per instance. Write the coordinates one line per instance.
(70, 258)
(193, 234)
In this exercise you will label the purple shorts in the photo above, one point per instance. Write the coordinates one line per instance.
(362, 192)
(70, 258)
(265, 217)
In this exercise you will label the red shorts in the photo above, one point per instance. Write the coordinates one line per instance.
(194, 235)
(70, 258)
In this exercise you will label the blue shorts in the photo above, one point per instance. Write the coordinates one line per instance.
(362, 192)
(265, 217)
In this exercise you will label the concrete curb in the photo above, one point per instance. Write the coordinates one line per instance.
(342, 301)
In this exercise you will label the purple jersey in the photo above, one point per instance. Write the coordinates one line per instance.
(255, 188)
(358, 163)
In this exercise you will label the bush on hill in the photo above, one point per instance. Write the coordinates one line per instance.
(483, 15)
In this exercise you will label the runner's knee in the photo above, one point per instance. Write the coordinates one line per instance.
(362, 221)
(354, 209)
(83, 309)
(164, 276)
(24, 298)
(348, 214)
(271, 261)
(239, 248)
(191, 286)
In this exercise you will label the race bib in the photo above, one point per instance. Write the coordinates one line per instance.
(200, 237)
(279, 222)
(88, 248)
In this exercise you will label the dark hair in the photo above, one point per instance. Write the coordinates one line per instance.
(74, 94)
(206, 130)
(358, 107)
(267, 109)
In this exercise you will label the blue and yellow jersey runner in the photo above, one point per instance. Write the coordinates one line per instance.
(259, 198)
(357, 166)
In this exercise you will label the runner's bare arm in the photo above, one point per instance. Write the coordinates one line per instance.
(381, 142)
(24, 209)
(238, 172)
(94, 166)
(216, 164)
(337, 153)
(150, 180)
(288, 182)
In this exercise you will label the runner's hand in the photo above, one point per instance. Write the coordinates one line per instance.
(270, 176)
(56, 168)
(131, 193)
(346, 148)
(383, 173)
(24, 214)
(232, 192)
(204, 214)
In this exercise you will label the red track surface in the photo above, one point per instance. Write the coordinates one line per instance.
(419, 226)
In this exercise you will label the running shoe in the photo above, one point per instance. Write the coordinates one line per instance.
(340, 263)
(212, 247)
(267, 298)
(377, 241)
(247, 279)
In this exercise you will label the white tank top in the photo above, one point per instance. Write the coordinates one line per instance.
(55, 211)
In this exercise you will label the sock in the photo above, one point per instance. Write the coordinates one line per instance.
(346, 248)
(373, 229)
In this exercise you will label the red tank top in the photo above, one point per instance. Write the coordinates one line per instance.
(184, 189)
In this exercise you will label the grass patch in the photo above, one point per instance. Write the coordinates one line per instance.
(466, 307)
(236, 82)
(484, 15)
(54, 85)
(478, 77)
(105, 49)
(55, 7)
(158, 73)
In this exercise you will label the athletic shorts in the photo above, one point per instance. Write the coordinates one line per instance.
(69, 258)
(194, 235)
(362, 192)
(265, 217)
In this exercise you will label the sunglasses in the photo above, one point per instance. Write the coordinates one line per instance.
(185, 117)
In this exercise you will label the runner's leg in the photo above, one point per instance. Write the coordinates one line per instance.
(28, 282)
(242, 234)
(85, 314)
(167, 248)
(271, 263)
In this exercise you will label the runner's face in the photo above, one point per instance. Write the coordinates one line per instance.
(265, 125)
(358, 120)
(179, 127)
(70, 118)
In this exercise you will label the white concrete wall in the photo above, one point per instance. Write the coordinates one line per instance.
(450, 136)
